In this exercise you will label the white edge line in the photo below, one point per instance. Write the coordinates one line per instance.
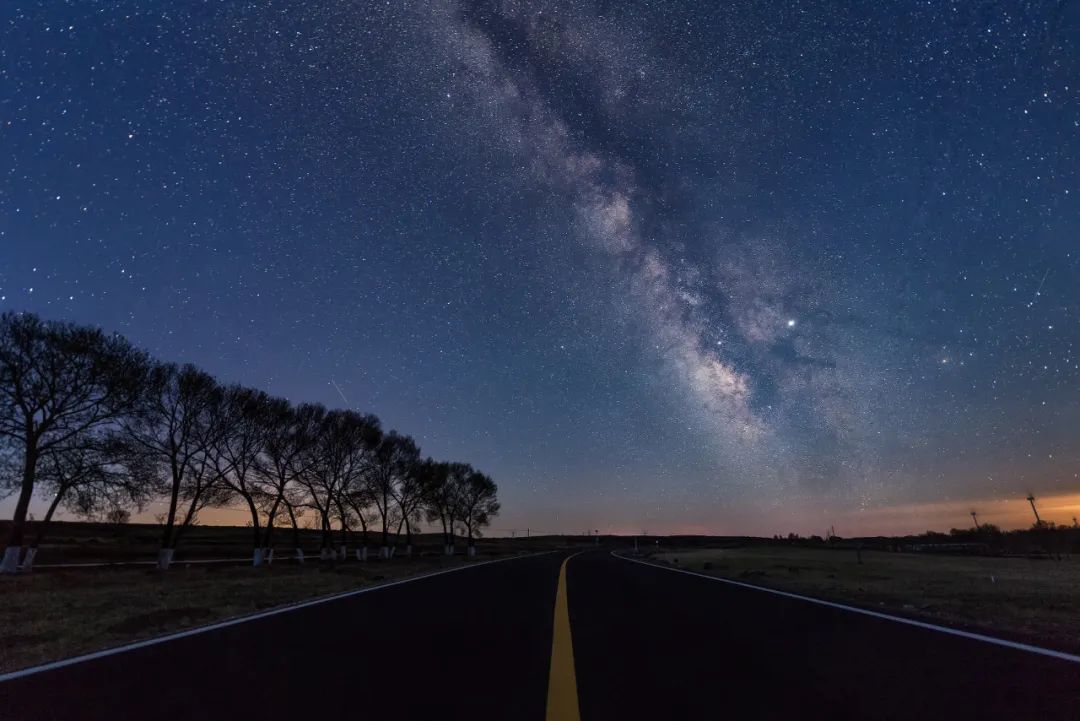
(12, 675)
(1060, 655)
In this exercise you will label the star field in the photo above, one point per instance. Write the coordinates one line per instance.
(664, 266)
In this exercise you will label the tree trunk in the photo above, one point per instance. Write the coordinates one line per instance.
(189, 520)
(257, 547)
(327, 531)
(385, 533)
(397, 532)
(13, 549)
(167, 539)
(270, 517)
(39, 532)
(295, 527)
(344, 532)
(385, 551)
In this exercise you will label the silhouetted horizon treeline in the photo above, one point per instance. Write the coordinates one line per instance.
(1042, 538)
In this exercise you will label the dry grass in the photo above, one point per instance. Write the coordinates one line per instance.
(50, 615)
(1037, 600)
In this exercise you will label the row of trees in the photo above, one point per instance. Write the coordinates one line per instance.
(100, 426)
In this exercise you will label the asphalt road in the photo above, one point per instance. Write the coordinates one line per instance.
(654, 643)
(647, 643)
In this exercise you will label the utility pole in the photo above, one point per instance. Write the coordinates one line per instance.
(1031, 500)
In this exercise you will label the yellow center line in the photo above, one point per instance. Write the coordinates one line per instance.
(562, 700)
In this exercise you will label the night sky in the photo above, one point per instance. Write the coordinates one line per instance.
(654, 266)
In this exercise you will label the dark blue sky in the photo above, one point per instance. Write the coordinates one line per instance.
(674, 267)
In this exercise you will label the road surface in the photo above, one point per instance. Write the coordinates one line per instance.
(596, 637)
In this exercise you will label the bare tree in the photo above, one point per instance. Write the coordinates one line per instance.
(357, 494)
(172, 434)
(360, 437)
(334, 460)
(289, 432)
(58, 383)
(236, 452)
(393, 459)
(409, 496)
(319, 478)
(441, 498)
(478, 505)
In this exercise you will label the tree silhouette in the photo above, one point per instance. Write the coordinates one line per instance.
(288, 433)
(335, 459)
(442, 496)
(409, 496)
(440, 500)
(237, 448)
(393, 460)
(59, 385)
(478, 505)
(171, 435)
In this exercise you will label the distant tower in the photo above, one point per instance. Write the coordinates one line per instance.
(1075, 524)
(1031, 500)
(976, 519)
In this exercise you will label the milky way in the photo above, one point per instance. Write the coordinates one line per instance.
(757, 268)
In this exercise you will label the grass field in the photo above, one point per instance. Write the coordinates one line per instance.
(46, 616)
(1033, 600)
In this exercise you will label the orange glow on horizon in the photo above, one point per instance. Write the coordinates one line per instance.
(898, 520)
(894, 520)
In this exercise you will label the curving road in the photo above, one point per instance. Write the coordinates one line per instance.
(617, 639)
